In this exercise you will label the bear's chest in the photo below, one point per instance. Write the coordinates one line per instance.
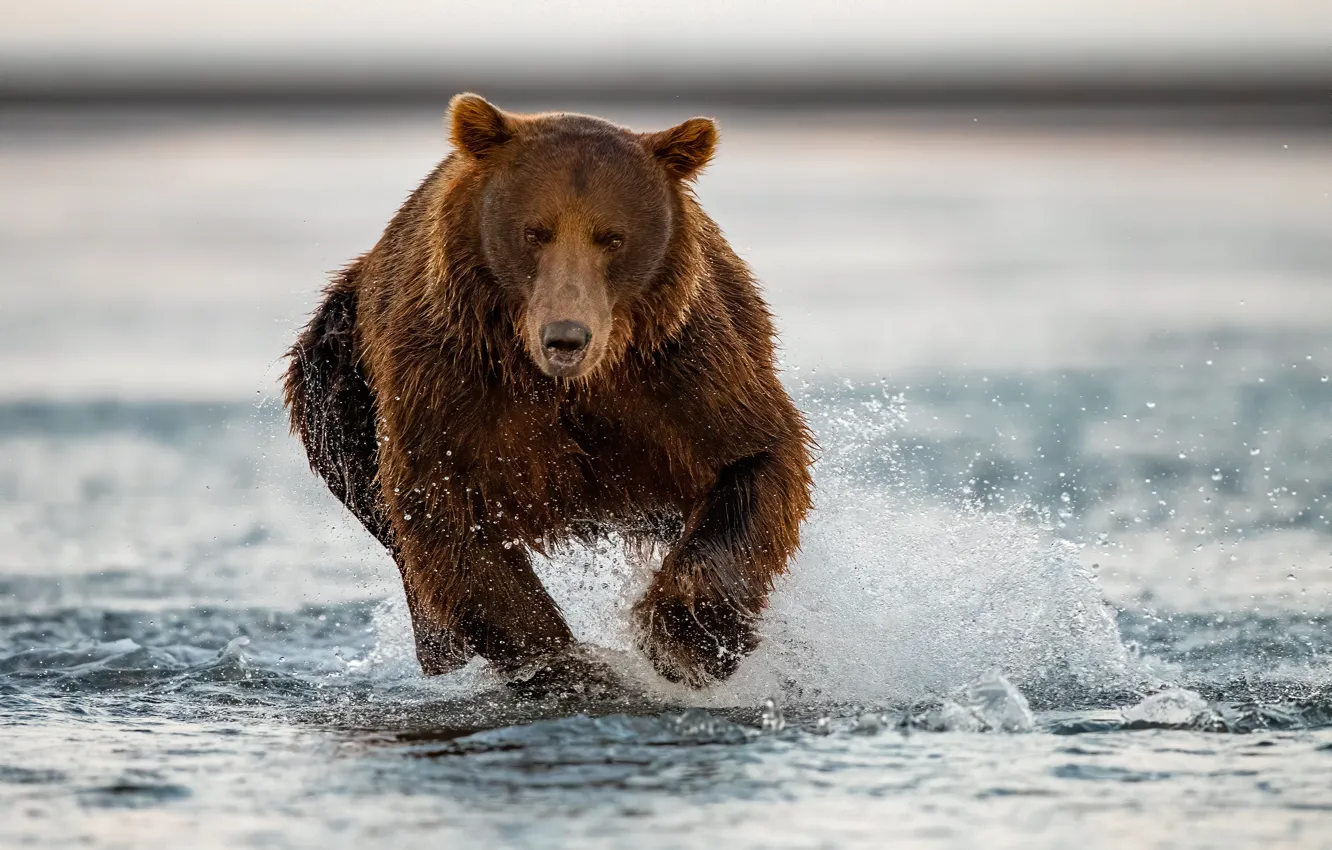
(566, 461)
(623, 460)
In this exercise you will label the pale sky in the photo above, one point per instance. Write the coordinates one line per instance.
(715, 33)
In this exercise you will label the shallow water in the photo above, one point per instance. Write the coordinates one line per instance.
(1079, 593)
(211, 651)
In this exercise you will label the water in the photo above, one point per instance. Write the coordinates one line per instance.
(1057, 588)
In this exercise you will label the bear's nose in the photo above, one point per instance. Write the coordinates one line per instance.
(565, 336)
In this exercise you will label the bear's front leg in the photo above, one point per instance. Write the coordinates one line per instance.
(473, 595)
(699, 616)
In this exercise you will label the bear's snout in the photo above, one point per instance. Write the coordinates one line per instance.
(564, 344)
(566, 337)
(568, 319)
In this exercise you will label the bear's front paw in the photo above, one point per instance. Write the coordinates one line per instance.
(696, 645)
(570, 675)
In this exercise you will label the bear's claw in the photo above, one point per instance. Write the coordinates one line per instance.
(695, 646)
(566, 675)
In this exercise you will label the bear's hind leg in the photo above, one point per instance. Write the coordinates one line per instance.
(333, 411)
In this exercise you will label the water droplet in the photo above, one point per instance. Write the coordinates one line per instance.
(1065, 498)
(771, 719)
(868, 723)
(1290, 577)
(1151, 404)
(1255, 451)
(406, 516)
(1216, 476)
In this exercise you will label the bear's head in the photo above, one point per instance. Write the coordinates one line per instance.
(575, 218)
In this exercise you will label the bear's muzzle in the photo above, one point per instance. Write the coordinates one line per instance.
(564, 344)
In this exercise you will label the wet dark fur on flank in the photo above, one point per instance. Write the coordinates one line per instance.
(418, 401)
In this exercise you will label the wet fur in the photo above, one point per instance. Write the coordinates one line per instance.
(419, 404)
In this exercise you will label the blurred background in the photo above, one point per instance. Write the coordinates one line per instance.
(1225, 53)
(1089, 243)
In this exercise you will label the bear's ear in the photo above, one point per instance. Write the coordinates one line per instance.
(476, 126)
(684, 149)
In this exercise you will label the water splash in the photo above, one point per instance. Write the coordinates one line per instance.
(894, 598)
(392, 659)
(1172, 707)
(393, 655)
(990, 704)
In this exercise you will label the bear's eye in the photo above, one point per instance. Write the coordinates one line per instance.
(612, 241)
(536, 235)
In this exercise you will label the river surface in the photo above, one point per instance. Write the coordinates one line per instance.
(1068, 581)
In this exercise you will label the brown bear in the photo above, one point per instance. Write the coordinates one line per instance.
(552, 341)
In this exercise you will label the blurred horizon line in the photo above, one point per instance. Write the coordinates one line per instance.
(1290, 96)
(1231, 61)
